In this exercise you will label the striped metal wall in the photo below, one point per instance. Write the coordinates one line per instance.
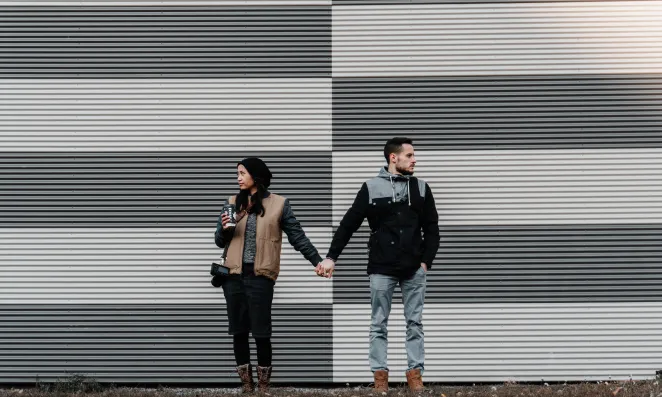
(538, 126)
(120, 127)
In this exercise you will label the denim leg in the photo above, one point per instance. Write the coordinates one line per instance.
(381, 296)
(413, 296)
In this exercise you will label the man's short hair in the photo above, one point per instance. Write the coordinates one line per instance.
(394, 145)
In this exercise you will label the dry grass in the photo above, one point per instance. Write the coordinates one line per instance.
(79, 386)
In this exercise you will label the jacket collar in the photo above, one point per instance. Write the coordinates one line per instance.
(384, 174)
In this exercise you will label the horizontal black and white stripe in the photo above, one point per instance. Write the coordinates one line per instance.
(138, 42)
(536, 125)
(490, 39)
(462, 2)
(154, 344)
(183, 189)
(498, 112)
(161, 115)
(551, 263)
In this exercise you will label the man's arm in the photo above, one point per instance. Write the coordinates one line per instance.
(430, 228)
(350, 223)
(297, 237)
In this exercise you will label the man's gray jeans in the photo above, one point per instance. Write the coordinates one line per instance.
(381, 296)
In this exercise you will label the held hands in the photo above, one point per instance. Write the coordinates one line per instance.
(325, 268)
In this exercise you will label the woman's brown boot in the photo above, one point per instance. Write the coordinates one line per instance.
(246, 375)
(263, 377)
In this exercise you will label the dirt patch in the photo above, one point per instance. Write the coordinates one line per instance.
(86, 388)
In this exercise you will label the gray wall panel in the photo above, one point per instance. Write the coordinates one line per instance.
(523, 112)
(521, 342)
(132, 265)
(165, 41)
(154, 343)
(501, 264)
(506, 38)
(375, 2)
(161, 115)
(141, 189)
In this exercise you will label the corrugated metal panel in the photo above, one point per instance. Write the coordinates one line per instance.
(121, 225)
(519, 226)
(184, 189)
(497, 39)
(463, 2)
(283, 41)
(527, 263)
(135, 266)
(119, 146)
(228, 115)
(499, 112)
(153, 343)
(163, 3)
(524, 187)
(521, 342)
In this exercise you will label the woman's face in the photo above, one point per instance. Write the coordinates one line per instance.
(244, 179)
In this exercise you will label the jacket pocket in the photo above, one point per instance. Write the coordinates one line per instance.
(381, 247)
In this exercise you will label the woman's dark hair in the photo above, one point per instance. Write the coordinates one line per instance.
(261, 175)
(256, 199)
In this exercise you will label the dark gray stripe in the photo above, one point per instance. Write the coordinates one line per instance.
(487, 264)
(165, 42)
(155, 343)
(527, 112)
(150, 189)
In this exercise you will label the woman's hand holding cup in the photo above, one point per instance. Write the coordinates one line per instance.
(228, 217)
(225, 219)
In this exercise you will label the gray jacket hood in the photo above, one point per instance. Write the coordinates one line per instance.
(399, 183)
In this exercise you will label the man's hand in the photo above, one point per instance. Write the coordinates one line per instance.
(425, 267)
(325, 268)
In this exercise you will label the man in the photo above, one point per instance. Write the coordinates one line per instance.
(398, 207)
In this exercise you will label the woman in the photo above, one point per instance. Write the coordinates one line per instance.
(253, 256)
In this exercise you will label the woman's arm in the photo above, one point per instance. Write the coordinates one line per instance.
(297, 237)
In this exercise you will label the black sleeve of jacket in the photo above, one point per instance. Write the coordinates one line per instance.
(297, 237)
(430, 228)
(222, 237)
(350, 223)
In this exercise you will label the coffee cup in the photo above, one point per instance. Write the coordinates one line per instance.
(231, 212)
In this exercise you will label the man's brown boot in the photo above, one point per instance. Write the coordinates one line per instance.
(246, 375)
(381, 381)
(415, 380)
(263, 376)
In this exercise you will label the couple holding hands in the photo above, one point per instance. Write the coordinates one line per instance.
(403, 242)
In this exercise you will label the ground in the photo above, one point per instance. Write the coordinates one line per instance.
(87, 388)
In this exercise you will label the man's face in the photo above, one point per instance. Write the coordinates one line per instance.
(405, 161)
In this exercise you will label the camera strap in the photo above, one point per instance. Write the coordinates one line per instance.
(225, 254)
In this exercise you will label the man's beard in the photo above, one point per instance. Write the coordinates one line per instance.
(404, 171)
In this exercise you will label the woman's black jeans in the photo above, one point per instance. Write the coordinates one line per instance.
(249, 298)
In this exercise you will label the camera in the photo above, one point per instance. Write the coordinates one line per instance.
(219, 272)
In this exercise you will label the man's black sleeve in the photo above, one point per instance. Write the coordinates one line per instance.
(350, 223)
(430, 228)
